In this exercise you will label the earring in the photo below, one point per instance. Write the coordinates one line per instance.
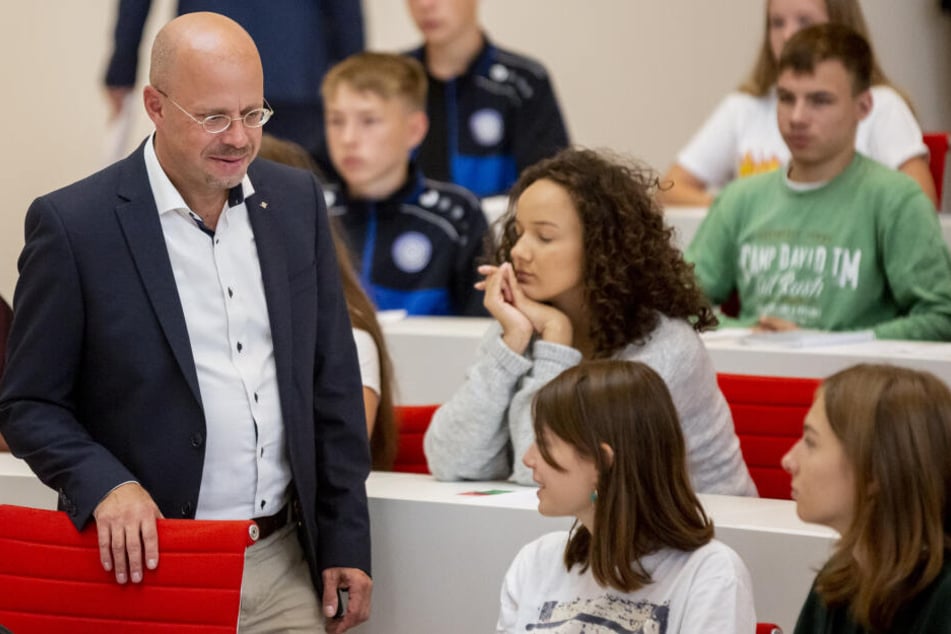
(594, 496)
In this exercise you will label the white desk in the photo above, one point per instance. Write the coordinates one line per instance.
(18, 485)
(731, 355)
(431, 356)
(685, 221)
(439, 557)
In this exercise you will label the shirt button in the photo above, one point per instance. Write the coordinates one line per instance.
(239, 346)
(230, 292)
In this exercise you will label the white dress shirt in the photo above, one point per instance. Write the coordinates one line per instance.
(246, 470)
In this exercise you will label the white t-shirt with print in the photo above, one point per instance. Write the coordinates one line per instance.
(707, 590)
(742, 137)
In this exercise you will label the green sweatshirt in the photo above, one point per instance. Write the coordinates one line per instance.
(862, 251)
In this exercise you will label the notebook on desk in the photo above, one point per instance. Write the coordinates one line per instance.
(804, 338)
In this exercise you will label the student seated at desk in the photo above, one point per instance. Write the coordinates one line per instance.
(835, 241)
(873, 464)
(641, 556)
(585, 269)
(414, 241)
(492, 112)
(741, 137)
(376, 371)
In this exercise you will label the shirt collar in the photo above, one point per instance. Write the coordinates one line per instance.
(167, 197)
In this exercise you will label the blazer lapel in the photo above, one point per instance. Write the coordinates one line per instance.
(268, 239)
(142, 228)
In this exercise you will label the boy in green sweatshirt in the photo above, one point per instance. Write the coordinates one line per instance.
(835, 241)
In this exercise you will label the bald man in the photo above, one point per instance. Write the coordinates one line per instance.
(181, 346)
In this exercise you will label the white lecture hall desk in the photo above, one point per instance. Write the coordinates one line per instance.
(439, 556)
(431, 355)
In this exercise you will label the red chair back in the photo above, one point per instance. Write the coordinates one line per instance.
(412, 422)
(767, 413)
(937, 143)
(52, 580)
(768, 628)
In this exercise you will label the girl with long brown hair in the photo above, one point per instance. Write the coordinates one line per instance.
(873, 463)
(641, 556)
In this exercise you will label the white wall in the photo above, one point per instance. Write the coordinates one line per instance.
(635, 75)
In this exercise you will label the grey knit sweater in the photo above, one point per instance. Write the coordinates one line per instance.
(482, 432)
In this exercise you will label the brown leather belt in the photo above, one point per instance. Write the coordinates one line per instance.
(271, 523)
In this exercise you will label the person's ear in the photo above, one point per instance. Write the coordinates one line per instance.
(418, 127)
(864, 103)
(152, 99)
(607, 453)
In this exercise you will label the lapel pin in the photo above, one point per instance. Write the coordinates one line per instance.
(263, 204)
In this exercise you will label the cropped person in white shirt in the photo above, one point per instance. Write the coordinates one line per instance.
(741, 137)
(641, 556)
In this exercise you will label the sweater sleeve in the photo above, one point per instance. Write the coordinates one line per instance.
(127, 37)
(713, 250)
(550, 360)
(467, 438)
(918, 270)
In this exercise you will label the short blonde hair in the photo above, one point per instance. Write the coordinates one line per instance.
(387, 75)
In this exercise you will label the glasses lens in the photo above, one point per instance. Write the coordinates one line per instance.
(257, 118)
(216, 123)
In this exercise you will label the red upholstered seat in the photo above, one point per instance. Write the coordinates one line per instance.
(412, 422)
(937, 143)
(52, 580)
(768, 413)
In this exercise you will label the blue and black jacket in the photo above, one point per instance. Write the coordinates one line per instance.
(416, 249)
(491, 122)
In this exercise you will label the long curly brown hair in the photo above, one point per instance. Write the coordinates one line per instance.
(631, 270)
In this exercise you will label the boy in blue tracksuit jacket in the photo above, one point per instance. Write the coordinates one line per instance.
(492, 112)
(413, 241)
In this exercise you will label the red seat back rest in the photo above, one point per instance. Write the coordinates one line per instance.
(53, 582)
(412, 422)
(767, 413)
(937, 143)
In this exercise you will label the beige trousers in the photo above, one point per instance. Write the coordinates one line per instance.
(277, 594)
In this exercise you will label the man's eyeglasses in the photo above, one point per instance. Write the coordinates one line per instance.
(218, 123)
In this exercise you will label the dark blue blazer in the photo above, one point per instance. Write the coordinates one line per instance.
(100, 385)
